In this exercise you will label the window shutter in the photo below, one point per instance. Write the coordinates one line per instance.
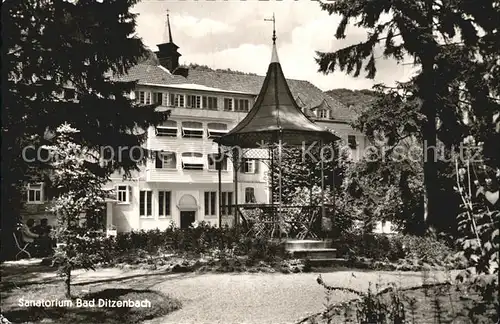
(158, 161)
(256, 166)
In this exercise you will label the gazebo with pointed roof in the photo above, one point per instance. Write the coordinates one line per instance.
(274, 120)
(276, 116)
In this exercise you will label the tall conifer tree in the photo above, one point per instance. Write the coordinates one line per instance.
(52, 44)
(455, 45)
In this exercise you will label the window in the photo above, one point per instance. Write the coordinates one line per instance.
(158, 98)
(214, 162)
(69, 93)
(164, 203)
(216, 130)
(227, 202)
(145, 203)
(210, 199)
(169, 129)
(250, 195)
(192, 161)
(143, 97)
(211, 104)
(193, 101)
(322, 113)
(35, 193)
(249, 166)
(166, 160)
(228, 104)
(176, 100)
(351, 141)
(192, 129)
(241, 105)
(123, 194)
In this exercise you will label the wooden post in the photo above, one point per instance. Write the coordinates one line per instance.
(272, 183)
(236, 166)
(323, 212)
(280, 175)
(219, 172)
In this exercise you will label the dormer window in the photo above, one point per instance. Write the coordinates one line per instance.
(212, 103)
(168, 129)
(192, 129)
(158, 98)
(193, 101)
(215, 130)
(241, 105)
(322, 113)
(228, 104)
(143, 97)
(192, 161)
(176, 100)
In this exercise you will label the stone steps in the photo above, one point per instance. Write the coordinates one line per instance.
(323, 253)
(339, 262)
(308, 244)
(320, 250)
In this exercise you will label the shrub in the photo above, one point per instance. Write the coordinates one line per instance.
(381, 247)
(426, 249)
(373, 246)
(199, 239)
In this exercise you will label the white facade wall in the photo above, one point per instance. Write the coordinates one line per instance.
(188, 183)
(180, 182)
(344, 130)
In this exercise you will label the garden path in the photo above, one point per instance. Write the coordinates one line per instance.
(230, 297)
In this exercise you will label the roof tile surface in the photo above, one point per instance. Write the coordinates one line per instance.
(303, 91)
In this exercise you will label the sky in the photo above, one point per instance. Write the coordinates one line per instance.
(233, 35)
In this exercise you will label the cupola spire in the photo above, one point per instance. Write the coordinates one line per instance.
(167, 52)
(170, 40)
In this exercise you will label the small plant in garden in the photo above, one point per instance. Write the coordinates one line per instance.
(478, 185)
(78, 192)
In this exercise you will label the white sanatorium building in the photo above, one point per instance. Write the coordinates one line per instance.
(182, 185)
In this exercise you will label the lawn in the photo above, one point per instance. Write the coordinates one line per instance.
(26, 282)
(85, 306)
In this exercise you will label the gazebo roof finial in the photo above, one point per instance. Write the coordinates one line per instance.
(274, 57)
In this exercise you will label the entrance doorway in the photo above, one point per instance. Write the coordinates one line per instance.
(187, 218)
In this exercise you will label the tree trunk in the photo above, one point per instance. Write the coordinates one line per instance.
(429, 130)
(429, 134)
(67, 282)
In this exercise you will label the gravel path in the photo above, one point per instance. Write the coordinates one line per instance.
(266, 298)
(234, 298)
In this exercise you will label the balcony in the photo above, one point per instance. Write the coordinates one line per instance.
(187, 176)
(205, 114)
